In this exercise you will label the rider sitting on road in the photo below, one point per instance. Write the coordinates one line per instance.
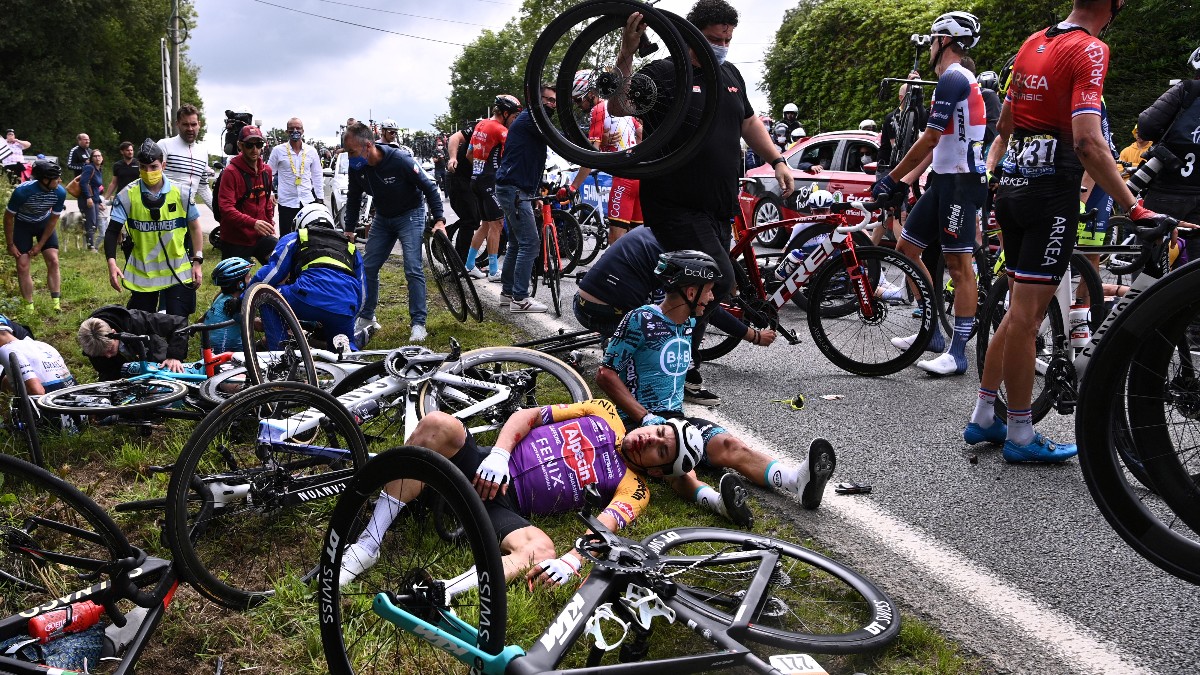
(42, 368)
(546, 474)
(231, 275)
(320, 274)
(643, 372)
(107, 354)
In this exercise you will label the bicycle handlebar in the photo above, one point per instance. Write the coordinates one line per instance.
(130, 338)
(867, 209)
(202, 327)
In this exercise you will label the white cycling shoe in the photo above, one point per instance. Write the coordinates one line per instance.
(904, 343)
(355, 561)
(943, 364)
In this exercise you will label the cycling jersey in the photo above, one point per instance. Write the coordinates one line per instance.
(40, 360)
(487, 146)
(33, 205)
(959, 113)
(575, 445)
(610, 133)
(1093, 233)
(651, 353)
(1058, 74)
(229, 338)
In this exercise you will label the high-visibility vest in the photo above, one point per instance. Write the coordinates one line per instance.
(324, 247)
(159, 259)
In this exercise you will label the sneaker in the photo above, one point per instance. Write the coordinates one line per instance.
(821, 461)
(733, 496)
(494, 278)
(995, 434)
(505, 299)
(418, 334)
(696, 393)
(943, 364)
(57, 303)
(889, 292)
(1042, 449)
(476, 273)
(355, 561)
(361, 324)
(526, 306)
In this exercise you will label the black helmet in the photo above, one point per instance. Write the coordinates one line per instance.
(682, 269)
(1006, 74)
(44, 168)
(149, 152)
(989, 80)
(507, 103)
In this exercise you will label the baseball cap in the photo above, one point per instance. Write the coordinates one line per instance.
(250, 131)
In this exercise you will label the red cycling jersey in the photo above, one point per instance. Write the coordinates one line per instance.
(487, 146)
(1059, 73)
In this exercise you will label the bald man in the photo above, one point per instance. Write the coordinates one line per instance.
(297, 166)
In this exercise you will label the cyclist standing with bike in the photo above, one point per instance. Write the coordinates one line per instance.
(957, 187)
(1049, 134)
(487, 146)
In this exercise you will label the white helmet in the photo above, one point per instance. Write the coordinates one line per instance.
(797, 133)
(962, 26)
(389, 124)
(691, 447)
(314, 214)
(791, 108)
(780, 130)
(819, 201)
(1195, 60)
(867, 125)
(583, 83)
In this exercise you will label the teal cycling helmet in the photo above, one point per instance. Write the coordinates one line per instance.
(231, 272)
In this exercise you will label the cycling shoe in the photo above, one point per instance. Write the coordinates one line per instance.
(1042, 449)
(995, 434)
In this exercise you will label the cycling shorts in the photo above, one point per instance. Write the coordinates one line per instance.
(502, 509)
(484, 186)
(625, 203)
(1038, 218)
(948, 211)
(1093, 233)
(25, 235)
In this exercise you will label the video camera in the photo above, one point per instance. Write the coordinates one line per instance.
(234, 121)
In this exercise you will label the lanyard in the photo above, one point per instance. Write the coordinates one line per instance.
(295, 171)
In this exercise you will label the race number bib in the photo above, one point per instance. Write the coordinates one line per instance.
(1031, 156)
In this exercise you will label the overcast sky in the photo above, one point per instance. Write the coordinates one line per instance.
(268, 56)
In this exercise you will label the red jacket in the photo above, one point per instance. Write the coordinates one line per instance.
(239, 215)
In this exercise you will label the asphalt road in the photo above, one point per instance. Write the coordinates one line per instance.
(1013, 561)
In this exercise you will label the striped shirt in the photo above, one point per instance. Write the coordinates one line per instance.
(31, 204)
(187, 166)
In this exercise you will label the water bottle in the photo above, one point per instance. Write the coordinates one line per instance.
(366, 410)
(74, 618)
(789, 264)
(1081, 329)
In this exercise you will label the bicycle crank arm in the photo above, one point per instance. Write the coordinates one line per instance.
(788, 334)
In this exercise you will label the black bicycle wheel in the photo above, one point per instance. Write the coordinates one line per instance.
(753, 310)
(54, 541)
(118, 397)
(227, 383)
(594, 233)
(414, 570)
(25, 418)
(553, 271)
(275, 345)
(908, 130)
(247, 497)
(807, 240)
(443, 262)
(587, 37)
(536, 379)
(570, 239)
(863, 345)
(811, 603)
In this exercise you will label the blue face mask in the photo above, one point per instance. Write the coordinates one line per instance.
(358, 162)
(295, 135)
(721, 53)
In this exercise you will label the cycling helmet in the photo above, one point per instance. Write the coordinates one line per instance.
(820, 201)
(1194, 60)
(797, 133)
(314, 214)
(44, 169)
(583, 83)
(781, 130)
(962, 26)
(988, 79)
(507, 103)
(690, 444)
(231, 272)
(1006, 75)
(389, 124)
(791, 108)
(682, 269)
(149, 152)
(867, 125)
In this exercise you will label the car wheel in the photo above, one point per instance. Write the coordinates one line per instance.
(769, 210)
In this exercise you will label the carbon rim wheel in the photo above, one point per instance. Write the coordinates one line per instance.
(118, 397)
(570, 239)
(442, 262)
(274, 342)
(228, 383)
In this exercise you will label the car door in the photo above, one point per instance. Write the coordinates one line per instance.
(847, 179)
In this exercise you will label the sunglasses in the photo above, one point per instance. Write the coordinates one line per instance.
(549, 99)
(254, 144)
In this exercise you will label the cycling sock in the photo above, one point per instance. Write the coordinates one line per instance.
(493, 264)
(937, 343)
(710, 499)
(985, 414)
(786, 477)
(1020, 426)
(471, 255)
(958, 343)
(462, 583)
(386, 510)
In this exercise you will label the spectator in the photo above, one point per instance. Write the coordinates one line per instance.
(462, 196)
(29, 228)
(167, 347)
(439, 164)
(79, 154)
(14, 160)
(186, 163)
(397, 184)
(517, 180)
(297, 166)
(124, 171)
(487, 145)
(1133, 152)
(244, 200)
(91, 197)
(160, 221)
(42, 368)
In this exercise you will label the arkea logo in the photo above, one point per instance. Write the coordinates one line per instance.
(578, 453)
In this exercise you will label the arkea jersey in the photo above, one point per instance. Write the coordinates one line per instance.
(605, 126)
(651, 355)
(960, 114)
(1059, 74)
(40, 360)
(575, 445)
(487, 146)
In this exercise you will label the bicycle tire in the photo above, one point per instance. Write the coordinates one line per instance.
(594, 234)
(228, 525)
(553, 272)
(296, 362)
(752, 309)
(224, 385)
(442, 261)
(806, 237)
(74, 538)
(141, 396)
(816, 604)
(489, 365)
(368, 373)
(355, 638)
(570, 239)
(907, 129)
(870, 337)
(24, 416)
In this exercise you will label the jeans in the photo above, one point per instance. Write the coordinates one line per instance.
(408, 227)
(91, 220)
(522, 241)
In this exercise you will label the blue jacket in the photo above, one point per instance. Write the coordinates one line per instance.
(331, 290)
(524, 159)
(396, 183)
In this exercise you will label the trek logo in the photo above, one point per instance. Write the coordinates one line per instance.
(566, 621)
(578, 453)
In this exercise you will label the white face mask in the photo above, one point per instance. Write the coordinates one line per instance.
(721, 53)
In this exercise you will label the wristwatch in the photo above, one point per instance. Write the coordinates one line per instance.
(198, 259)
(778, 160)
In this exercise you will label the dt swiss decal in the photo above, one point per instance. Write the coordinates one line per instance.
(578, 453)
